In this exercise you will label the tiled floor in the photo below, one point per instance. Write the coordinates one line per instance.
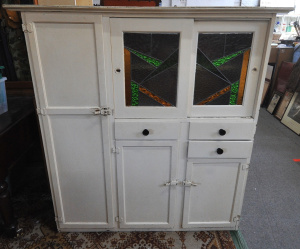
(271, 211)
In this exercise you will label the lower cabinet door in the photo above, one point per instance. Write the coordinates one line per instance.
(213, 193)
(146, 172)
(79, 170)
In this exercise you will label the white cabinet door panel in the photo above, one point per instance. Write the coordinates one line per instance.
(143, 169)
(67, 83)
(66, 59)
(215, 200)
(79, 161)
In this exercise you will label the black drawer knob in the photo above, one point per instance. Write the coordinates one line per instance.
(222, 132)
(220, 151)
(146, 132)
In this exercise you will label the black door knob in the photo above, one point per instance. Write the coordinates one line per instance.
(222, 132)
(220, 151)
(145, 132)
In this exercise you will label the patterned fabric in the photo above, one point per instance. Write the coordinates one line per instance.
(36, 219)
(43, 236)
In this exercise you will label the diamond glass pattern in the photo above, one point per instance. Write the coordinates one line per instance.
(222, 62)
(151, 68)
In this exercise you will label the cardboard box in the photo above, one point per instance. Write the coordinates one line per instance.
(66, 2)
(128, 3)
(277, 55)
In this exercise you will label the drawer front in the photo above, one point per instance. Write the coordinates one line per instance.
(222, 130)
(146, 130)
(220, 149)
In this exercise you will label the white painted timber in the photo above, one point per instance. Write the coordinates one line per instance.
(68, 95)
(229, 149)
(183, 27)
(211, 129)
(80, 170)
(133, 129)
(213, 200)
(144, 169)
(259, 30)
(104, 173)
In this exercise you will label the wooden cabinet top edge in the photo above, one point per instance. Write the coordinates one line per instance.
(151, 10)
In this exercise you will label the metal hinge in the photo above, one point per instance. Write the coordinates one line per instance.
(172, 183)
(245, 166)
(27, 28)
(189, 183)
(58, 219)
(118, 219)
(104, 111)
(236, 218)
(115, 150)
(41, 111)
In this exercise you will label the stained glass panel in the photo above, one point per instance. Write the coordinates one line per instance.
(221, 70)
(221, 100)
(151, 68)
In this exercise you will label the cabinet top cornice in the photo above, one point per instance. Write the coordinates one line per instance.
(152, 11)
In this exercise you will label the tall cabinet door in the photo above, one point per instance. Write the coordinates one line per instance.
(151, 59)
(67, 67)
(146, 183)
(213, 193)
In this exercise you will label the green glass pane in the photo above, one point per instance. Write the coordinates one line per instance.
(134, 94)
(234, 93)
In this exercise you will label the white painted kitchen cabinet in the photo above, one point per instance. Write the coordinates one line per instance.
(147, 114)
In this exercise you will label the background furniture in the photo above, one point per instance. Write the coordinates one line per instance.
(277, 56)
(147, 114)
(18, 133)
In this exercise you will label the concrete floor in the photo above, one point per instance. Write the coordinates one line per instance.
(271, 210)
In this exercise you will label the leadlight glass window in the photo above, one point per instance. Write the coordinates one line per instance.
(151, 68)
(221, 68)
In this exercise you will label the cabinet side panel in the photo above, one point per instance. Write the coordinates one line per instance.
(69, 65)
(79, 159)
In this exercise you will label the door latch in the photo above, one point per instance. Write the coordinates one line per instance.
(104, 111)
(172, 183)
(189, 183)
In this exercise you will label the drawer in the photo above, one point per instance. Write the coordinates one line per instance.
(220, 149)
(222, 129)
(146, 129)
